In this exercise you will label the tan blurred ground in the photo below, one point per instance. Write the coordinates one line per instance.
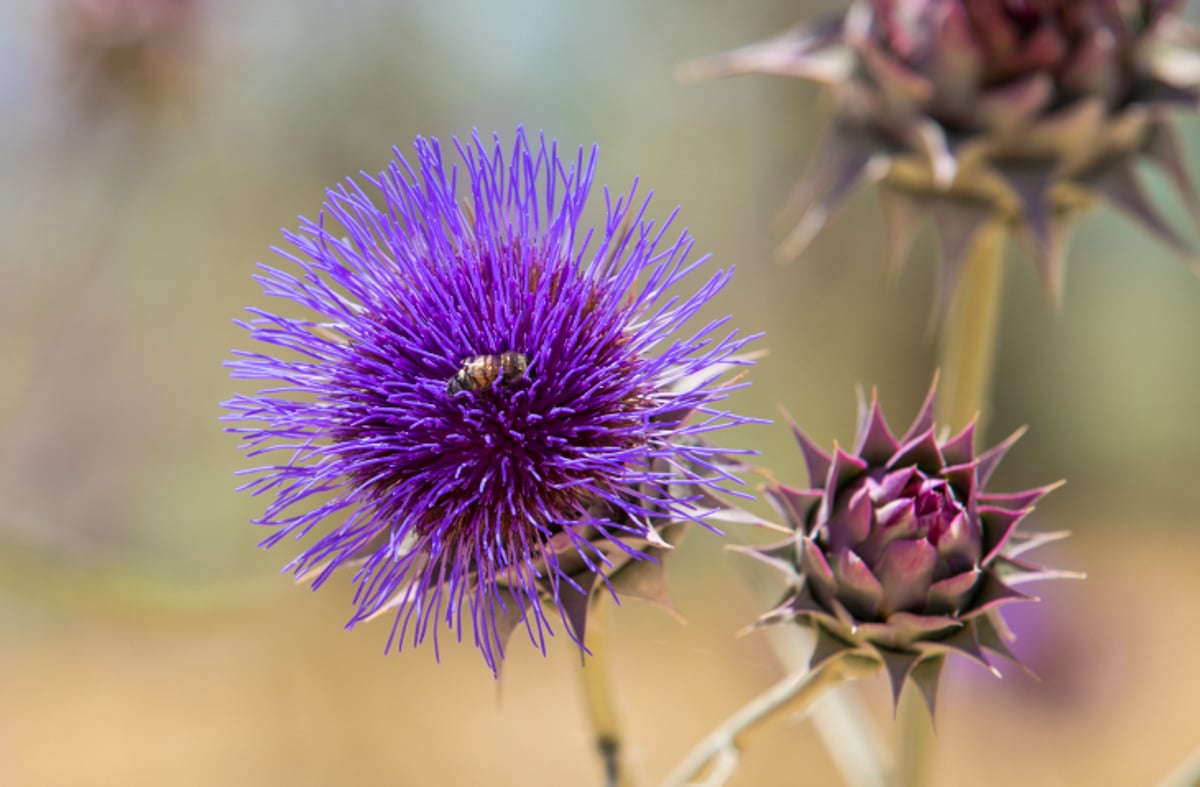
(275, 694)
(143, 639)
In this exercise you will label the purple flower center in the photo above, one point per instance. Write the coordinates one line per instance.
(933, 510)
(1006, 39)
(898, 542)
(892, 537)
(499, 449)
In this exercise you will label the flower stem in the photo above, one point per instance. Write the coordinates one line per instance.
(914, 742)
(795, 694)
(1186, 774)
(841, 720)
(596, 676)
(968, 355)
(968, 350)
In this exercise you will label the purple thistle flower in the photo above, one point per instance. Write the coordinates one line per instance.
(489, 406)
(899, 552)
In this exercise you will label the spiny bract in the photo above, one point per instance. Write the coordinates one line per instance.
(972, 111)
(899, 553)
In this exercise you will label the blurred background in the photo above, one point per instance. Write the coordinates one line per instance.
(152, 149)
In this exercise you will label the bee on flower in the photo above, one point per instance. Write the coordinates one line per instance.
(481, 371)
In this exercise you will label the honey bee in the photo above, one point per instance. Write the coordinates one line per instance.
(479, 372)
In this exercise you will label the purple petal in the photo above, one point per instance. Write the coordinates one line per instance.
(851, 524)
(858, 589)
(990, 458)
(817, 570)
(922, 451)
(993, 594)
(816, 460)
(889, 488)
(959, 546)
(951, 595)
(997, 526)
(960, 449)
(924, 420)
(905, 570)
(875, 443)
(793, 504)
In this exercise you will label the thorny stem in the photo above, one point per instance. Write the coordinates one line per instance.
(794, 694)
(596, 676)
(968, 355)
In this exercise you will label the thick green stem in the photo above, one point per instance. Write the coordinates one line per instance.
(968, 350)
(914, 742)
(968, 356)
(793, 695)
(1187, 774)
(596, 676)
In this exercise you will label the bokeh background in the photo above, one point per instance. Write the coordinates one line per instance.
(144, 640)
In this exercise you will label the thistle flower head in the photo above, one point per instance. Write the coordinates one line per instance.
(900, 552)
(135, 51)
(983, 110)
(485, 406)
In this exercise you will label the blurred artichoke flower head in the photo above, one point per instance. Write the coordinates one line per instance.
(973, 110)
(485, 406)
(139, 52)
(898, 551)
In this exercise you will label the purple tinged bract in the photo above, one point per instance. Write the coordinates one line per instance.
(486, 406)
(972, 112)
(898, 550)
